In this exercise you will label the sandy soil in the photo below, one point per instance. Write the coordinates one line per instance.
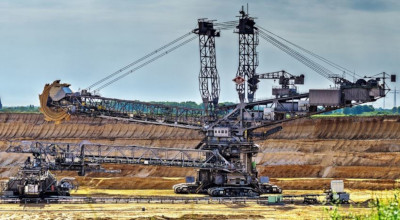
(345, 148)
(166, 211)
(304, 157)
(249, 210)
(154, 182)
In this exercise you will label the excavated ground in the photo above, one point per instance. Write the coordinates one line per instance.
(306, 154)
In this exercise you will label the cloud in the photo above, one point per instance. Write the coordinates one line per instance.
(82, 41)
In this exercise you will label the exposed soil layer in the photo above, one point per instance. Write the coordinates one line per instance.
(346, 147)
(146, 177)
(32, 126)
(349, 128)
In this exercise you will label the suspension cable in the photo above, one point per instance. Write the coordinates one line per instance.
(306, 61)
(139, 60)
(296, 54)
(226, 25)
(226, 22)
(336, 66)
(145, 63)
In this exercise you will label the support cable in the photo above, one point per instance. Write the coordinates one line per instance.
(145, 63)
(226, 25)
(336, 66)
(226, 22)
(140, 60)
(298, 56)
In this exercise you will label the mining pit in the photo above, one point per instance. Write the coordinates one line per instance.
(305, 155)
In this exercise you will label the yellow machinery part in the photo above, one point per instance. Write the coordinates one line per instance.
(52, 114)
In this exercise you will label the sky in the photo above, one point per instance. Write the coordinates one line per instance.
(81, 41)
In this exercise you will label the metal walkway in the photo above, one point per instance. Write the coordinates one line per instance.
(72, 156)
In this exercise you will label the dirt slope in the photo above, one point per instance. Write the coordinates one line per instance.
(347, 147)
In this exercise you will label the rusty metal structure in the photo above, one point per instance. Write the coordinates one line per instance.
(224, 158)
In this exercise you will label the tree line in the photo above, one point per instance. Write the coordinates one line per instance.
(364, 110)
(20, 109)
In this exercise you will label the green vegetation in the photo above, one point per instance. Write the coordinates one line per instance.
(381, 208)
(190, 104)
(360, 110)
(20, 109)
(34, 109)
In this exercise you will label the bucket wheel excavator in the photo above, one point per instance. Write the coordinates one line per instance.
(227, 167)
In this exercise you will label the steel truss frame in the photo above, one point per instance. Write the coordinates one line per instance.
(87, 156)
(248, 57)
(208, 75)
(151, 112)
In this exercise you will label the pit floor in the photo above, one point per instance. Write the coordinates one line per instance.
(250, 210)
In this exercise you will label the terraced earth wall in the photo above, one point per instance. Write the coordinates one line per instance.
(351, 148)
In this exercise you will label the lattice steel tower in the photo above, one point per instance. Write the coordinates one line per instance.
(208, 77)
(248, 60)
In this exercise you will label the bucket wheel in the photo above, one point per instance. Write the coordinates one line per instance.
(52, 113)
